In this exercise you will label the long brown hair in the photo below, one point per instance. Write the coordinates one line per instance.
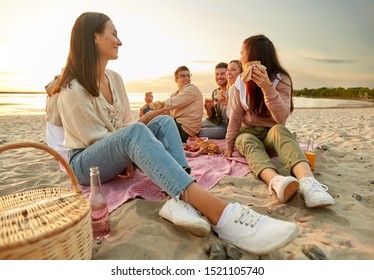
(260, 48)
(82, 62)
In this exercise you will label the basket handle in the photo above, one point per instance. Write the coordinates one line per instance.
(49, 150)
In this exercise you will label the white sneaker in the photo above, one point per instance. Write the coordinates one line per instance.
(315, 194)
(284, 187)
(253, 232)
(184, 215)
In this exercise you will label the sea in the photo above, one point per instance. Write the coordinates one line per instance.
(34, 103)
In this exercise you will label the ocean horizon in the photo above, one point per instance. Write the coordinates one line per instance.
(31, 103)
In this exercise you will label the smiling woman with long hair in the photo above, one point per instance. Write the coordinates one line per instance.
(259, 112)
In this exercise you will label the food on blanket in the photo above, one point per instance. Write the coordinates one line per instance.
(209, 148)
(194, 140)
(192, 150)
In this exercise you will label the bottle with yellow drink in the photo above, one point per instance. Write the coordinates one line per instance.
(310, 153)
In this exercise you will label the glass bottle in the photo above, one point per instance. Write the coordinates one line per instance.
(217, 95)
(99, 206)
(310, 153)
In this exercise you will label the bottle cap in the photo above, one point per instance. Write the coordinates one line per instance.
(94, 168)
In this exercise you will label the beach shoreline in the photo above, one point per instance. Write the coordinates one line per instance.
(344, 231)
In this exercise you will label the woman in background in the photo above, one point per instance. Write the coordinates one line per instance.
(234, 69)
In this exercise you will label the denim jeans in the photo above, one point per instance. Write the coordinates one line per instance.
(256, 143)
(213, 131)
(155, 148)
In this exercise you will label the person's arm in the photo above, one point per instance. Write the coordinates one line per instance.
(236, 117)
(186, 96)
(277, 98)
(141, 111)
(146, 118)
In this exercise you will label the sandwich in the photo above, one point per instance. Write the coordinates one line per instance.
(247, 72)
(158, 105)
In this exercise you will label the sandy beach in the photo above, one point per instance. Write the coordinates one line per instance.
(344, 231)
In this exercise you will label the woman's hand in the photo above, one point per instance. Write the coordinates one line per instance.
(146, 118)
(260, 77)
(227, 153)
(164, 112)
(128, 173)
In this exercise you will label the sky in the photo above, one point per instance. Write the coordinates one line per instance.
(322, 43)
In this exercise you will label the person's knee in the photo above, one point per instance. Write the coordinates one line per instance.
(135, 129)
(245, 143)
(167, 118)
(246, 139)
(280, 129)
(164, 120)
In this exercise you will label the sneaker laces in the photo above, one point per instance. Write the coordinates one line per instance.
(247, 217)
(188, 207)
(313, 185)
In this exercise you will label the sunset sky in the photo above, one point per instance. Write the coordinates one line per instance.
(321, 42)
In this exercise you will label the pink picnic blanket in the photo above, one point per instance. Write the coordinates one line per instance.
(207, 170)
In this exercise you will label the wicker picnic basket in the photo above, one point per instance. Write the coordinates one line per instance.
(50, 223)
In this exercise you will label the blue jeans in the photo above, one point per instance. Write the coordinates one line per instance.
(155, 148)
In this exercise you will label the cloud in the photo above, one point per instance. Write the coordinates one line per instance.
(333, 61)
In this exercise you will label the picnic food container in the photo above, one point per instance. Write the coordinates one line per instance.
(192, 153)
(195, 140)
(46, 223)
